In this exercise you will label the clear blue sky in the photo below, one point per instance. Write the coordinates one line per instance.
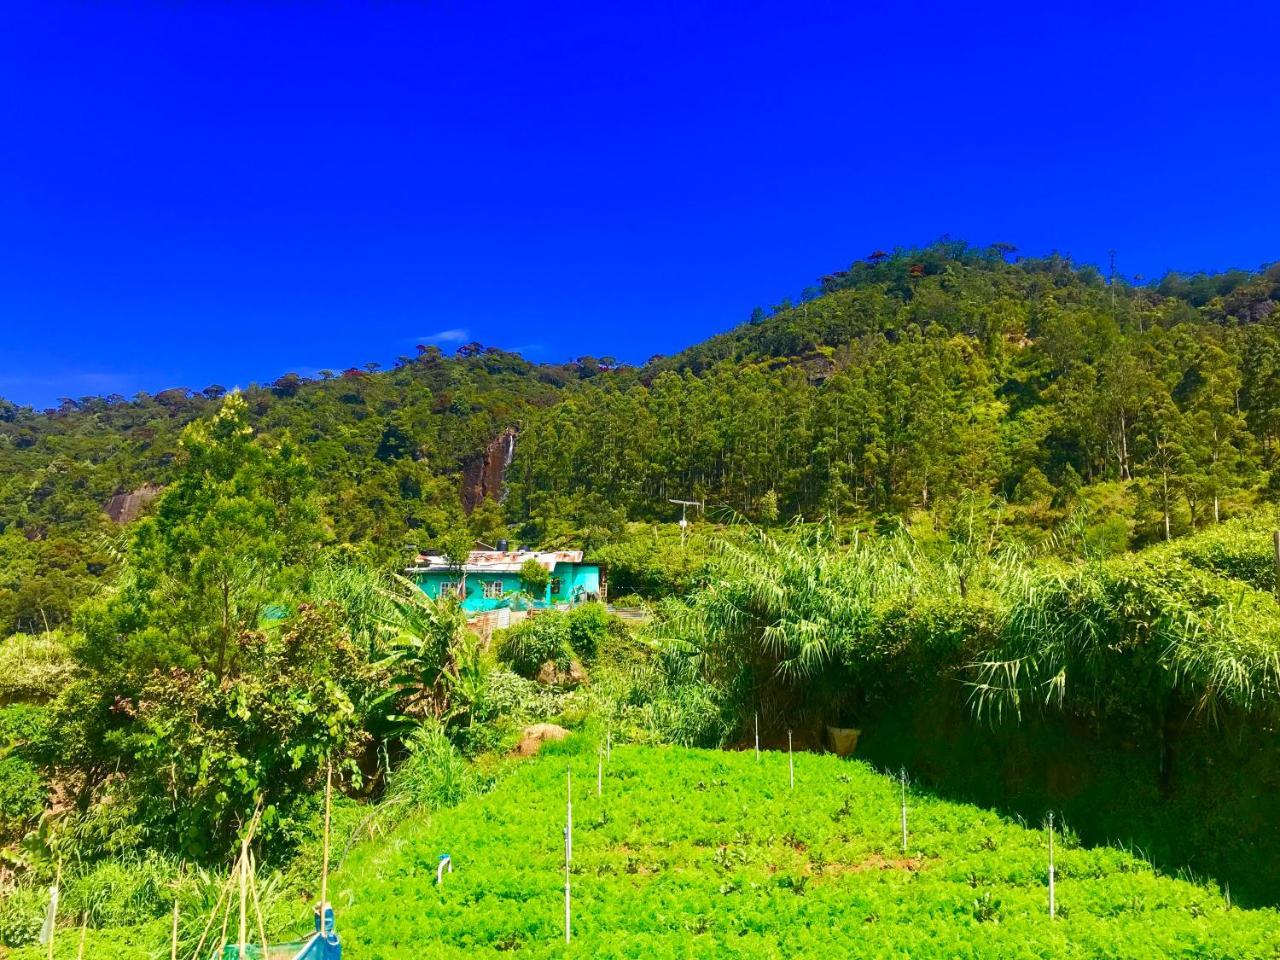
(195, 193)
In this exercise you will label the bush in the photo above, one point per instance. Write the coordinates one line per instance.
(434, 774)
(589, 626)
(531, 643)
(33, 668)
(21, 914)
(557, 637)
(22, 796)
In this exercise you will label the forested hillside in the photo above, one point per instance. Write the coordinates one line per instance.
(989, 455)
(893, 388)
(915, 376)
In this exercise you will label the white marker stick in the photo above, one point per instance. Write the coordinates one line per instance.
(568, 853)
(757, 736)
(791, 761)
(1053, 906)
(903, 777)
(600, 774)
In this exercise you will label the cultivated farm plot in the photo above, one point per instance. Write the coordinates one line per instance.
(691, 853)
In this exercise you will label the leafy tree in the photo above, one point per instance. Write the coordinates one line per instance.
(534, 578)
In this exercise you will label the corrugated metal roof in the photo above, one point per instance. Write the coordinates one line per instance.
(497, 561)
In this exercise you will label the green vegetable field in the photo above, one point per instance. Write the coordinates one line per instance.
(699, 853)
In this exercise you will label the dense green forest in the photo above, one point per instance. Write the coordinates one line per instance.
(953, 498)
(893, 388)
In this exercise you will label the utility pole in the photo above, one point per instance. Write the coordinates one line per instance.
(1111, 281)
(684, 523)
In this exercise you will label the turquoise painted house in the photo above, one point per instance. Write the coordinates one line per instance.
(490, 579)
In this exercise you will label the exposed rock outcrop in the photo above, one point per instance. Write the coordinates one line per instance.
(533, 737)
(127, 506)
(484, 476)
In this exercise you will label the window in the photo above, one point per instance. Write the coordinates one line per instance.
(493, 589)
(452, 588)
(557, 586)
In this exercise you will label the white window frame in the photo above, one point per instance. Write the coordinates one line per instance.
(452, 588)
(557, 585)
(493, 589)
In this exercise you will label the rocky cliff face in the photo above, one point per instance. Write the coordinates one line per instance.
(484, 476)
(127, 505)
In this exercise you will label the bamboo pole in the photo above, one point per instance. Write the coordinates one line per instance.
(257, 904)
(213, 917)
(243, 932)
(226, 919)
(84, 929)
(173, 940)
(324, 867)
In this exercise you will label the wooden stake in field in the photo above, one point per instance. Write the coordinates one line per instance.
(791, 761)
(173, 939)
(600, 773)
(84, 929)
(1053, 906)
(902, 777)
(757, 736)
(568, 852)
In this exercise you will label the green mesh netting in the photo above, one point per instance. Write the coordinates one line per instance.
(253, 951)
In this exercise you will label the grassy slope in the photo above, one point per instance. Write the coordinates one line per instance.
(696, 853)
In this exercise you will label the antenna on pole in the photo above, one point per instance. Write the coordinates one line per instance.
(684, 522)
(1111, 280)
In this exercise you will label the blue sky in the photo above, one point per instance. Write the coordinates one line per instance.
(195, 193)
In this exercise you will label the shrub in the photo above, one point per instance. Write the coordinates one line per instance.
(21, 914)
(33, 668)
(589, 626)
(22, 796)
(531, 643)
(434, 774)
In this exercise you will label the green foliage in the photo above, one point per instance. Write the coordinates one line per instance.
(540, 639)
(255, 738)
(34, 668)
(651, 561)
(22, 796)
(590, 626)
(556, 637)
(711, 854)
(21, 914)
(534, 578)
(433, 774)
(226, 539)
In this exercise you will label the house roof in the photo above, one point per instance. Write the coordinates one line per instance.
(496, 561)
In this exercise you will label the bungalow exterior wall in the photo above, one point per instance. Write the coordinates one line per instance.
(569, 583)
